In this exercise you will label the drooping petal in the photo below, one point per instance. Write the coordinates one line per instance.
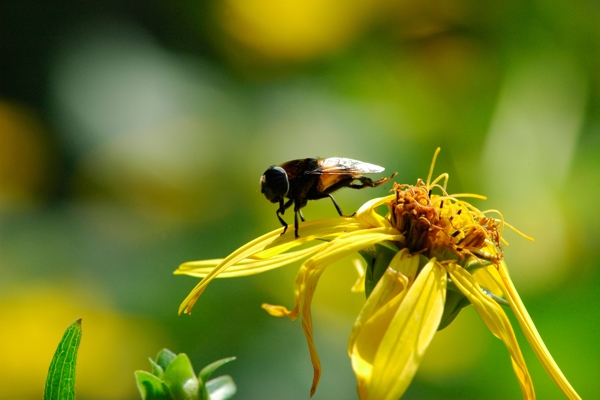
(496, 320)
(308, 277)
(372, 323)
(330, 252)
(406, 266)
(408, 336)
(268, 245)
(243, 252)
(312, 279)
(395, 328)
(501, 276)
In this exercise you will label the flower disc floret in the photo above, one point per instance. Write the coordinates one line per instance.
(433, 224)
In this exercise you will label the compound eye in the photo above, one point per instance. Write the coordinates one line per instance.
(274, 184)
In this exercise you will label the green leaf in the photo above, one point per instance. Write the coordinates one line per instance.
(455, 301)
(221, 388)
(151, 387)
(181, 380)
(377, 259)
(60, 383)
(368, 254)
(164, 358)
(207, 371)
(157, 370)
(388, 245)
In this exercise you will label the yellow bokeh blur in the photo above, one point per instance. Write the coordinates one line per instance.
(295, 30)
(23, 157)
(113, 345)
(132, 140)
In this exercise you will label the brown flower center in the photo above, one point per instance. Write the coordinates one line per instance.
(443, 226)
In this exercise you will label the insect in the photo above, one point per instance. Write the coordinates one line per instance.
(314, 178)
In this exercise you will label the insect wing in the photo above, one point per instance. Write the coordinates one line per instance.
(337, 165)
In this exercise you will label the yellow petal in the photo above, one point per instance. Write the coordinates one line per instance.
(367, 213)
(496, 320)
(406, 264)
(313, 278)
(403, 268)
(310, 231)
(372, 324)
(408, 336)
(243, 252)
(395, 328)
(486, 281)
(314, 267)
(359, 285)
(310, 272)
(246, 267)
(276, 244)
(531, 332)
(330, 252)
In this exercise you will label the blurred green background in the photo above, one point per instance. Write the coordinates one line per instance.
(133, 135)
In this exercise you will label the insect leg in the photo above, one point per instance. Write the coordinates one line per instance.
(368, 182)
(364, 182)
(281, 210)
(339, 210)
(301, 216)
(297, 211)
(283, 223)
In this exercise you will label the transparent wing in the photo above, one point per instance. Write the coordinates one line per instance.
(337, 165)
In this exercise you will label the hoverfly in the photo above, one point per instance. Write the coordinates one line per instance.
(313, 179)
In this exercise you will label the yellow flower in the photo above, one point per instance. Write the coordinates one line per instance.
(430, 256)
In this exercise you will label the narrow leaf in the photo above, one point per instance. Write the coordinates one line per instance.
(207, 371)
(60, 383)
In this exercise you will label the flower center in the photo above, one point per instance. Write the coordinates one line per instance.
(442, 226)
